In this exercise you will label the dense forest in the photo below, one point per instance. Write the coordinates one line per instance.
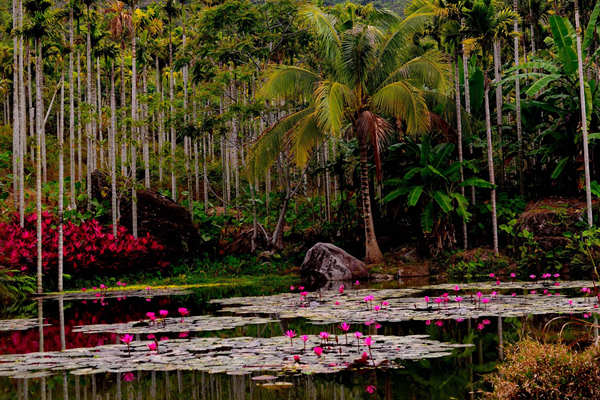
(278, 124)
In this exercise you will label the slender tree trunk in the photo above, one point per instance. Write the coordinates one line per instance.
(100, 141)
(23, 120)
(39, 108)
(490, 156)
(61, 176)
(16, 130)
(113, 153)
(79, 133)
(468, 104)
(71, 115)
(584, 128)
(499, 122)
(134, 111)
(90, 102)
(459, 140)
(160, 122)
(520, 165)
(123, 115)
(204, 175)
(172, 114)
(373, 254)
(145, 131)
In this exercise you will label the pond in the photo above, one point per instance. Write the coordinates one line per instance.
(353, 341)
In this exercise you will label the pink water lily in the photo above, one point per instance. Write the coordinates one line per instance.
(296, 358)
(128, 376)
(163, 313)
(341, 289)
(152, 346)
(318, 351)
(370, 389)
(127, 338)
(513, 275)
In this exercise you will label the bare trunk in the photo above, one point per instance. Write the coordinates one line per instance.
(90, 102)
(79, 138)
(160, 123)
(23, 121)
(123, 116)
(584, 128)
(460, 146)
(490, 156)
(145, 150)
(113, 152)
(499, 122)
(61, 183)
(520, 164)
(72, 203)
(172, 113)
(134, 112)
(468, 105)
(373, 254)
(39, 119)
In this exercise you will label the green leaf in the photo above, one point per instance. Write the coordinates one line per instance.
(427, 218)
(559, 168)
(561, 32)
(477, 182)
(394, 194)
(443, 200)
(588, 36)
(415, 195)
(593, 136)
(595, 187)
(541, 83)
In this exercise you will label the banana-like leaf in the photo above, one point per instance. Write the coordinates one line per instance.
(477, 182)
(541, 84)
(427, 218)
(560, 167)
(562, 33)
(443, 200)
(394, 194)
(588, 36)
(414, 196)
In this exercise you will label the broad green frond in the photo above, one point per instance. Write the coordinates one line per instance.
(331, 98)
(323, 25)
(431, 69)
(273, 141)
(288, 81)
(305, 136)
(405, 102)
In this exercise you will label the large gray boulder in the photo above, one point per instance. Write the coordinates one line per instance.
(326, 262)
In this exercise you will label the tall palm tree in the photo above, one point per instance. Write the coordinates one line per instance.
(365, 78)
(484, 24)
(134, 125)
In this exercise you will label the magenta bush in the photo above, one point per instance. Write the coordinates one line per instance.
(88, 247)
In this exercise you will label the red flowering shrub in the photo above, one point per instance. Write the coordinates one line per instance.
(88, 247)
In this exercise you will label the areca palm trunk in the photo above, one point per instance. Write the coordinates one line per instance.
(16, 143)
(459, 140)
(90, 101)
(39, 122)
(134, 111)
(490, 157)
(61, 184)
(518, 102)
(172, 115)
(71, 115)
(145, 150)
(499, 122)
(160, 122)
(372, 252)
(112, 152)
(123, 114)
(584, 128)
(79, 144)
(467, 101)
(23, 120)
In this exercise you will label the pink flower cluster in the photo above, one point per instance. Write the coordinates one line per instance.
(86, 246)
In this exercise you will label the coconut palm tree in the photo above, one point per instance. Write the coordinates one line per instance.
(484, 24)
(365, 77)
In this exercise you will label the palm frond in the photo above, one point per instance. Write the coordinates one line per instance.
(376, 130)
(265, 150)
(431, 70)
(287, 80)
(404, 102)
(331, 98)
(305, 136)
(323, 25)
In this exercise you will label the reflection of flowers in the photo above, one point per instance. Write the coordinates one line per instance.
(371, 389)
(128, 376)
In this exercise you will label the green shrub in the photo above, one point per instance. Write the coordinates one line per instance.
(480, 262)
